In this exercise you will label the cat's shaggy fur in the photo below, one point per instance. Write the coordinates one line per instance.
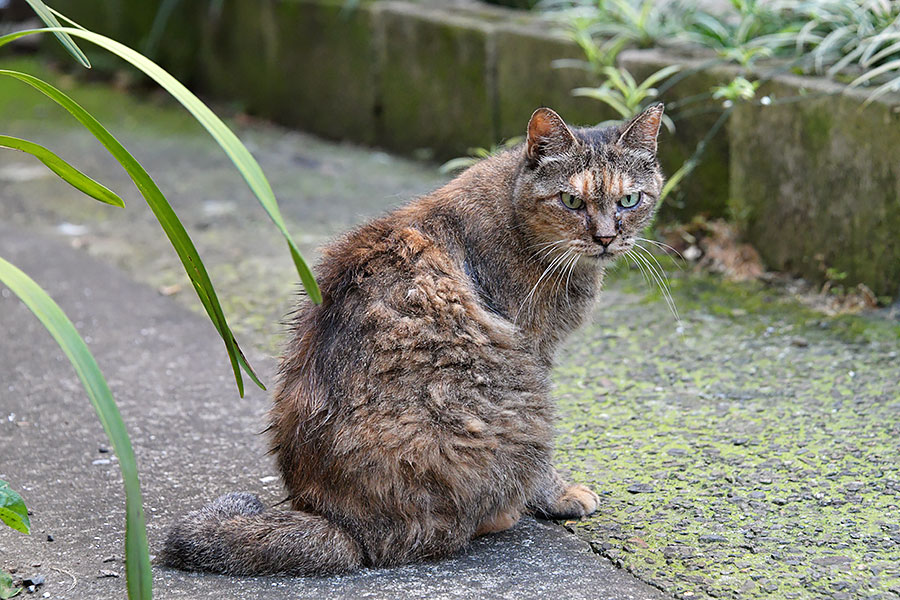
(413, 411)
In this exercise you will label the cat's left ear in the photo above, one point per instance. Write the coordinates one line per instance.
(548, 135)
(641, 132)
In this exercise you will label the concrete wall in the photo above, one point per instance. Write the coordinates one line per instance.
(814, 183)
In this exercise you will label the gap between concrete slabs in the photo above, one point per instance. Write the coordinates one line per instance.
(195, 439)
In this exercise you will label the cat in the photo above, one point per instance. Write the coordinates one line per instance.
(412, 411)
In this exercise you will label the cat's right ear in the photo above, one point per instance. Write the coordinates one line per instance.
(548, 135)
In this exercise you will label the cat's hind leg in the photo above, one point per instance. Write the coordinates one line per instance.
(499, 522)
(554, 498)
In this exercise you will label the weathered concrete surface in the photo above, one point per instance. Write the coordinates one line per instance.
(314, 64)
(434, 79)
(817, 183)
(767, 432)
(527, 78)
(194, 439)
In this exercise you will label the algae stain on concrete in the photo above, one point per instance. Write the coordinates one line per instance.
(730, 461)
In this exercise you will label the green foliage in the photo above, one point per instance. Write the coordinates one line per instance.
(7, 589)
(857, 41)
(832, 274)
(862, 37)
(173, 228)
(625, 95)
(14, 513)
(736, 90)
(66, 172)
(455, 165)
(12, 508)
(638, 23)
(48, 16)
(738, 37)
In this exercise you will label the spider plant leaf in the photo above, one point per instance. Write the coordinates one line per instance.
(46, 14)
(628, 78)
(631, 16)
(607, 98)
(657, 77)
(891, 86)
(458, 164)
(571, 63)
(66, 172)
(885, 52)
(831, 41)
(887, 67)
(845, 60)
(710, 28)
(157, 202)
(615, 77)
(137, 567)
(227, 140)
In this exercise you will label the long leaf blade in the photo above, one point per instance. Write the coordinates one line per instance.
(157, 202)
(227, 140)
(137, 567)
(46, 15)
(66, 172)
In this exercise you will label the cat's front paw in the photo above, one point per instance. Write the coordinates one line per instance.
(575, 502)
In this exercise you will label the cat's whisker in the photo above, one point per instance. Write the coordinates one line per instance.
(572, 266)
(562, 271)
(650, 256)
(640, 266)
(664, 248)
(663, 288)
(557, 266)
(544, 253)
(556, 260)
(661, 246)
(665, 277)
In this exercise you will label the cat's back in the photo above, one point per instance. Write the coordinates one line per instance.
(401, 356)
(397, 286)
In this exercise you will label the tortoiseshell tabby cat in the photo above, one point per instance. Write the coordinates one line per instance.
(413, 409)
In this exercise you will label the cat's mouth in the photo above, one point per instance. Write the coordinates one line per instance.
(604, 254)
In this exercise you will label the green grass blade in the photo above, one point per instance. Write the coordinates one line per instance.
(66, 172)
(46, 15)
(157, 202)
(657, 76)
(227, 140)
(230, 144)
(607, 98)
(891, 86)
(13, 511)
(137, 565)
(887, 67)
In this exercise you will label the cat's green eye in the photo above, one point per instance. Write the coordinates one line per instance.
(573, 202)
(630, 201)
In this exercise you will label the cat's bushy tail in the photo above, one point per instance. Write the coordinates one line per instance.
(237, 536)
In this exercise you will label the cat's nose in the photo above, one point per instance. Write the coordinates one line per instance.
(604, 240)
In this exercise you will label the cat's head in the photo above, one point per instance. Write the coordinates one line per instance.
(588, 191)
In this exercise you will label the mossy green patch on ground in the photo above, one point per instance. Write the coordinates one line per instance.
(750, 452)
